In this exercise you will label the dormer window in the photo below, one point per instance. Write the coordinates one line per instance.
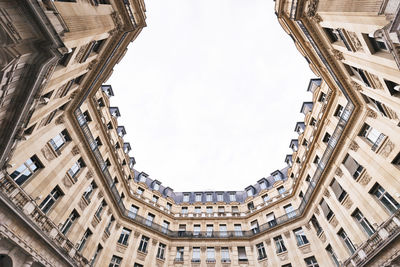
(198, 197)
(263, 185)
(277, 176)
(186, 197)
(220, 197)
(232, 197)
(249, 192)
(156, 186)
(208, 197)
(250, 205)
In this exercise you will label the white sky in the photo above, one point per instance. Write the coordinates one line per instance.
(210, 93)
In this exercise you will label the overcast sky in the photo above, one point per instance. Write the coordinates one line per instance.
(210, 93)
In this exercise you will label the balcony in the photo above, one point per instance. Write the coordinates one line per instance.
(385, 234)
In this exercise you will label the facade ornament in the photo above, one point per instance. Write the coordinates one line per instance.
(365, 179)
(347, 203)
(75, 150)
(387, 149)
(109, 211)
(312, 8)
(339, 172)
(287, 234)
(117, 225)
(356, 86)
(80, 53)
(82, 204)
(326, 193)
(317, 18)
(60, 119)
(48, 153)
(73, 95)
(308, 226)
(316, 211)
(67, 181)
(354, 146)
(283, 256)
(92, 64)
(371, 113)
(334, 221)
(89, 174)
(203, 249)
(337, 54)
(322, 237)
(355, 41)
(100, 194)
(376, 81)
(136, 234)
(154, 242)
(95, 222)
(117, 21)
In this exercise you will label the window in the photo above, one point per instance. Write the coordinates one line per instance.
(396, 161)
(209, 210)
(133, 211)
(242, 254)
(98, 141)
(86, 115)
(182, 229)
(278, 176)
(139, 191)
(143, 244)
(76, 167)
(332, 34)
(250, 205)
(347, 241)
(222, 230)
(265, 197)
(220, 197)
(89, 190)
(360, 218)
(326, 138)
(322, 97)
(313, 122)
(352, 166)
(150, 219)
(197, 210)
(69, 222)
(311, 262)
(210, 255)
(263, 185)
(123, 238)
(156, 186)
(232, 197)
(316, 159)
(196, 254)
(186, 197)
(67, 56)
(179, 254)
(377, 44)
(155, 198)
(326, 210)
(338, 111)
(196, 229)
(115, 261)
(254, 226)
(235, 209)
(249, 192)
(210, 229)
(300, 237)
(165, 226)
(98, 250)
(333, 255)
(51, 199)
(225, 254)
(59, 140)
(208, 197)
(184, 210)
(385, 198)
(108, 227)
(26, 170)
(289, 210)
(169, 206)
(271, 219)
(316, 225)
(394, 88)
(280, 246)
(98, 45)
(84, 239)
(100, 209)
(221, 209)
(198, 197)
(281, 190)
(261, 251)
(338, 190)
(161, 251)
(238, 230)
(137, 265)
(109, 126)
(371, 135)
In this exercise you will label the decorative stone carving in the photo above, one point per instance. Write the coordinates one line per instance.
(75, 150)
(337, 54)
(387, 149)
(354, 146)
(117, 225)
(117, 21)
(356, 86)
(316, 211)
(95, 222)
(334, 221)
(308, 226)
(67, 181)
(82, 204)
(73, 95)
(92, 64)
(109, 212)
(371, 113)
(48, 153)
(283, 256)
(347, 203)
(376, 81)
(364, 180)
(339, 172)
(99, 195)
(312, 8)
(121, 249)
(326, 193)
(154, 241)
(355, 41)
(287, 234)
(317, 18)
(136, 234)
(80, 53)
(60, 119)
(305, 249)
(89, 174)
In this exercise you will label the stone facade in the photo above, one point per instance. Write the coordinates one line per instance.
(70, 195)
